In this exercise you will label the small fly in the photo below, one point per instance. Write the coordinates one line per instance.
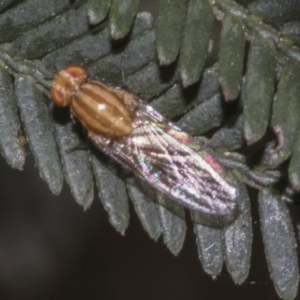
(145, 142)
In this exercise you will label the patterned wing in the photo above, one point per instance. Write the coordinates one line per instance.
(162, 155)
(171, 166)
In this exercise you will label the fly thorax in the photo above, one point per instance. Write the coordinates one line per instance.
(101, 110)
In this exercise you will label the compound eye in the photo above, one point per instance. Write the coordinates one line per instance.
(77, 72)
(58, 97)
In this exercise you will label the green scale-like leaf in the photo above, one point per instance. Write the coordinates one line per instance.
(172, 219)
(259, 90)
(209, 242)
(279, 11)
(39, 131)
(203, 117)
(230, 137)
(177, 100)
(286, 111)
(51, 35)
(292, 30)
(111, 65)
(294, 166)
(238, 239)
(232, 47)
(97, 10)
(28, 15)
(60, 35)
(145, 209)
(75, 161)
(11, 148)
(122, 14)
(169, 27)
(99, 42)
(196, 34)
(114, 200)
(279, 241)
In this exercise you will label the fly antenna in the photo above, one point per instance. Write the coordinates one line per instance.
(123, 56)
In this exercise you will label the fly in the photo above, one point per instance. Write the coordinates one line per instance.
(145, 142)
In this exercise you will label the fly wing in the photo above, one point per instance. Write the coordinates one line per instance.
(166, 160)
(173, 163)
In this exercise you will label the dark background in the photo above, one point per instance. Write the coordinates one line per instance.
(51, 249)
